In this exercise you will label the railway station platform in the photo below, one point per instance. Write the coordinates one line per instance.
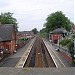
(60, 59)
(63, 67)
(25, 55)
(17, 59)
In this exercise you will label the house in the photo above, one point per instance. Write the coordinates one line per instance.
(21, 36)
(57, 34)
(7, 38)
(73, 28)
(27, 34)
(19, 43)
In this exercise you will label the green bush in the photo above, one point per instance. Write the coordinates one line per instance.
(73, 36)
(69, 44)
(24, 39)
(65, 42)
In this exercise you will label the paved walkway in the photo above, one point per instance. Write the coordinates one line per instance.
(67, 57)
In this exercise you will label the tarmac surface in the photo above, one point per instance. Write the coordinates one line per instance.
(12, 60)
(37, 71)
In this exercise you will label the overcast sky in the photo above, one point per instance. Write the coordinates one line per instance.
(32, 13)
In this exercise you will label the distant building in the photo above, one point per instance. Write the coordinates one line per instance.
(57, 34)
(73, 28)
(7, 38)
(23, 35)
(26, 34)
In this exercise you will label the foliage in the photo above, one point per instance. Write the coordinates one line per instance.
(43, 30)
(57, 20)
(44, 33)
(7, 18)
(73, 36)
(65, 42)
(35, 30)
(24, 39)
(69, 43)
(71, 48)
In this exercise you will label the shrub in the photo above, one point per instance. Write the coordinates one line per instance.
(24, 39)
(69, 44)
(65, 42)
(73, 36)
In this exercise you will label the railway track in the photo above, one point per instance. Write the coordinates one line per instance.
(39, 55)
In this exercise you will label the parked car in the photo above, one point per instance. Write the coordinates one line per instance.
(57, 49)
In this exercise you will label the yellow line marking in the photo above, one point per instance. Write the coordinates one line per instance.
(58, 58)
(17, 65)
(21, 59)
(54, 59)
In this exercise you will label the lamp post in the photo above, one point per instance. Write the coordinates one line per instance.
(15, 37)
(73, 58)
(72, 50)
(74, 46)
(59, 42)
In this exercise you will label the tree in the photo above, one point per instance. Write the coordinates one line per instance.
(57, 20)
(7, 18)
(34, 30)
(65, 42)
(44, 33)
(73, 36)
(43, 30)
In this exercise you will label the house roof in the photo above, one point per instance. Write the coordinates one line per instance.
(73, 26)
(24, 32)
(6, 32)
(27, 32)
(59, 31)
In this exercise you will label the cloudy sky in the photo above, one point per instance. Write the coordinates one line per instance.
(32, 13)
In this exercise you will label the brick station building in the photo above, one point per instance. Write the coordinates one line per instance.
(7, 38)
(57, 34)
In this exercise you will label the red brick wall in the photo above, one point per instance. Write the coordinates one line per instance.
(10, 45)
(55, 37)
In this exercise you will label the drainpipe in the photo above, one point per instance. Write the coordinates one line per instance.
(59, 42)
(15, 38)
